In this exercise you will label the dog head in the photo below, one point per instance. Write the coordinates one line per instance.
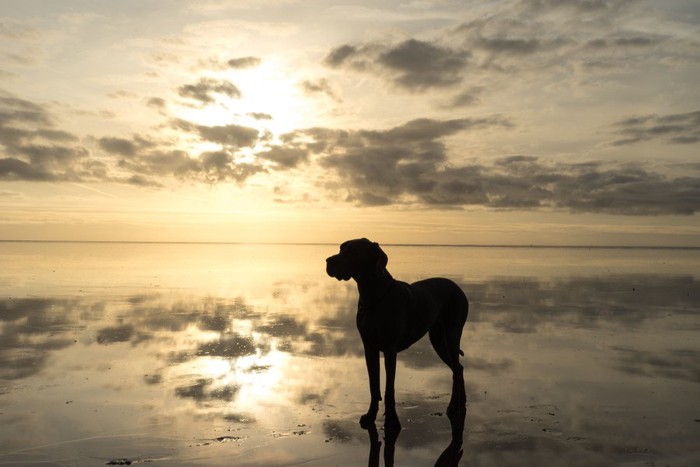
(357, 258)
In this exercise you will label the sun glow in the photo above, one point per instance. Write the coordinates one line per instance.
(260, 377)
(271, 101)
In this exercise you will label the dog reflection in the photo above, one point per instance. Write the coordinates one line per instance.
(392, 315)
(450, 457)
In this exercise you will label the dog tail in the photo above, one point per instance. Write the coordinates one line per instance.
(461, 353)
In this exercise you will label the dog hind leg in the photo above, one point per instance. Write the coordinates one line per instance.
(445, 340)
(457, 319)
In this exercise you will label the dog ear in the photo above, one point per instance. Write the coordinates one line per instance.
(382, 259)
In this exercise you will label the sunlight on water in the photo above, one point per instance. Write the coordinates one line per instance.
(248, 355)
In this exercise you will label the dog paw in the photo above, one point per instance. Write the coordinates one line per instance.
(367, 420)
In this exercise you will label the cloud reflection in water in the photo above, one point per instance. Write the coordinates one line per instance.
(211, 364)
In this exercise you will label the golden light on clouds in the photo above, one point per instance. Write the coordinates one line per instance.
(416, 114)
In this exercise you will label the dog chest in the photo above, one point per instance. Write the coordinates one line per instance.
(380, 327)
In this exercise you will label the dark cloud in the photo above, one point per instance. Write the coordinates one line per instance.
(421, 65)
(412, 65)
(156, 103)
(209, 167)
(284, 157)
(15, 169)
(582, 6)
(142, 157)
(381, 167)
(260, 116)
(32, 149)
(16, 110)
(205, 89)
(617, 42)
(141, 181)
(243, 62)
(467, 98)
(681, 128)
(233, 136)
(35, 150)
(409, 164)
(520, 38)
(124, 147)
(321, 86)
(507, 45)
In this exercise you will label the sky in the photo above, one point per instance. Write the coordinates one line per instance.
(544, 122)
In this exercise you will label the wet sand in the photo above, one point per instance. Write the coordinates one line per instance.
(229, 355)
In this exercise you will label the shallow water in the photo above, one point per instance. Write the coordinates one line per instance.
(182, 354)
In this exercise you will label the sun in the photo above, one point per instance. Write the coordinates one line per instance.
(271, 101)
(273, 98)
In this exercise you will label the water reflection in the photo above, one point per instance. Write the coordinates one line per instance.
(547, 362)
(449, 457)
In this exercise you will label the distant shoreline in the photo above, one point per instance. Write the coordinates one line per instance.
(419, 245)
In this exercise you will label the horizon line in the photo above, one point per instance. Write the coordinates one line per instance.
(453, 245)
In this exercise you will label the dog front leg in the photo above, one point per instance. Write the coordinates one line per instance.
(391, 419)
(372, 361)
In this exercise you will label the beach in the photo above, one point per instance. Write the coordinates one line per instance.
(247, 354)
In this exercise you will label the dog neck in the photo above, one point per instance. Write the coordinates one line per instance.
(373, 288)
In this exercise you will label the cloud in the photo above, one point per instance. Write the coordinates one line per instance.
(507, 45)
(422, 65)
(409, 165)
(581, 6)
(157, 103)
(468, 97)
(123, 146)
(321, 86)
(144, 159)
(243, 62)
(260, 116)
(204, 90)
(33, 149)
(209, 167)
(284, 157)
(617, 42)
(536, 39)
(16, 110)
(408, 161)
(233, 136)
(681, 128)
(412, 65)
